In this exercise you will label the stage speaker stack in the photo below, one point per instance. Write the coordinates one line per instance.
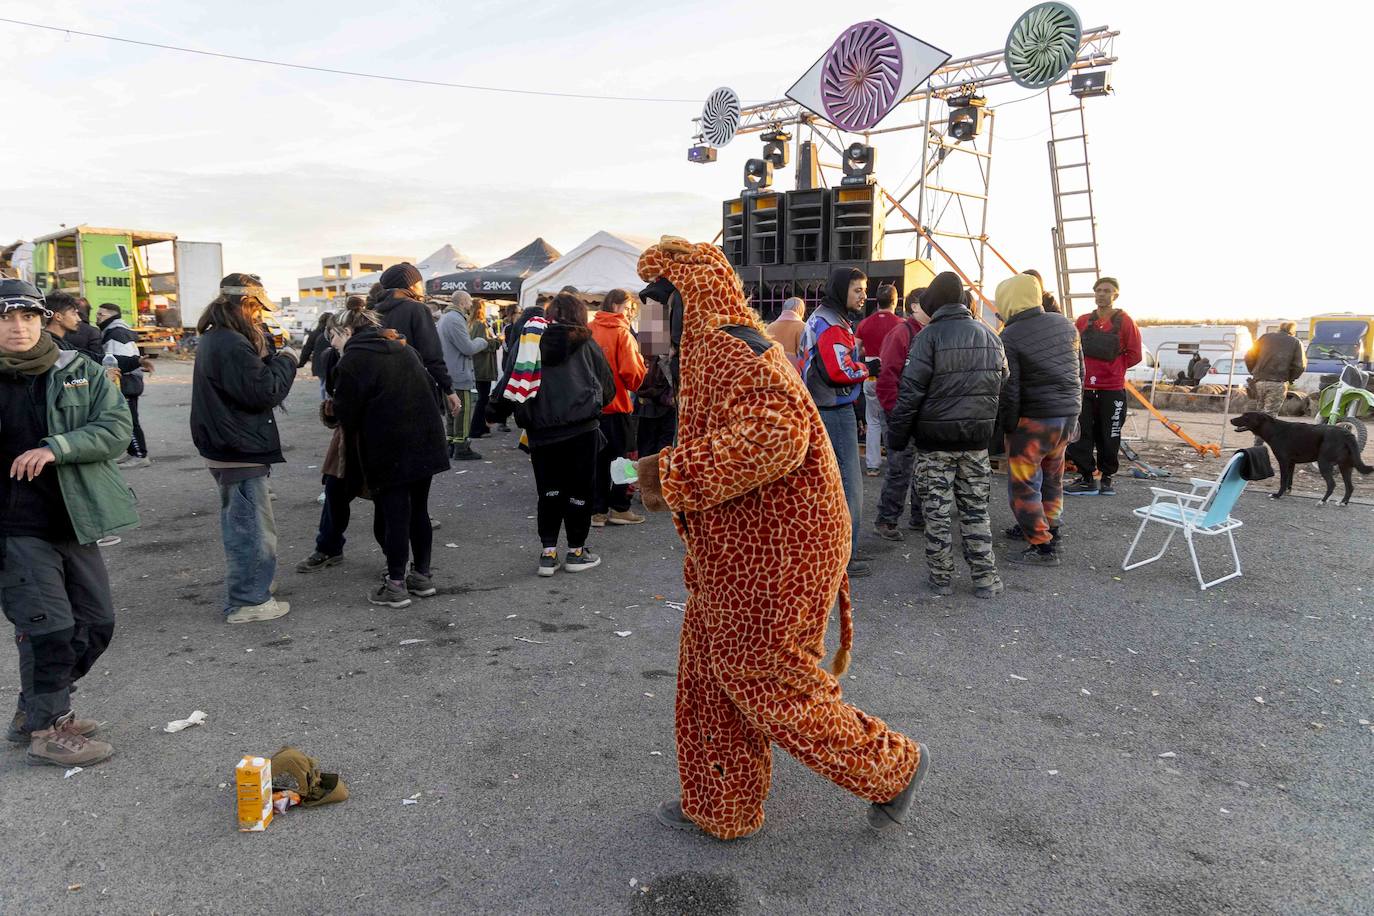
(808, 218)
(856, 224)
(765, 219)
(732, 232)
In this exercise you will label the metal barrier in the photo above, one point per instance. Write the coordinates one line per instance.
(1181, 347)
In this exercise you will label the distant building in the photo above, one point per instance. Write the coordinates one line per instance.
(340, 276)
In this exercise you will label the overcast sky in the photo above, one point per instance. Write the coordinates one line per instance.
(1227, 164)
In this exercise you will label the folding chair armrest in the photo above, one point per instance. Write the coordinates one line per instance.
(1200, 484)
(1175, 494)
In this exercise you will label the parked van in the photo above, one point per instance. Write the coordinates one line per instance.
(1170, 347)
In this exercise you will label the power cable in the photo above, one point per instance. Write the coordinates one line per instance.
(355, 73)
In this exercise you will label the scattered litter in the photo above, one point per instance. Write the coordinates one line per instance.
(411, 642)
(1259, 700)
(1225, 811)
(1167, 755)
(1016, 677)
(511, 616)
(460, 472)
(631, 607)
(658, 597)
(1052, 772)
(416, 795)
(196, 718)
(72, 772)
(73, 888)
(450, 545)
(224, 785)
(655, 753)
(248, 650)
(409, 801)
(1316, 726)
(1133, 652)
(527, 639)
(649, 695)
(1364, 721)
(634, 882)
(623, 633)
(676, 605)
(1084, 691)
(1154, 693)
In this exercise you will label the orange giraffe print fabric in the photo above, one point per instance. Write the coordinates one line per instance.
(758, 503)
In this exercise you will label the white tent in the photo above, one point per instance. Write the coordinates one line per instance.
(604, 262)
(444, 261)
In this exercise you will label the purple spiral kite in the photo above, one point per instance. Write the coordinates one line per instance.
(861, 76)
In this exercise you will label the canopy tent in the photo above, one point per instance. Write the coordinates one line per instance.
(499, 280)
(444, 261)
(603, 262)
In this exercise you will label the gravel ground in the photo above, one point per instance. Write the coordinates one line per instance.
(1102, 742)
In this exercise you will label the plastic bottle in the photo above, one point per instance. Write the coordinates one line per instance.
(624, 471)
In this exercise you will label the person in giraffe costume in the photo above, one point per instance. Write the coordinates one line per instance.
(757, 500)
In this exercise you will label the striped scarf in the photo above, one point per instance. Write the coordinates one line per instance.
(524, 377)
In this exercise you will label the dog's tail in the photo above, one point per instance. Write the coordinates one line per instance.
(1360, 465)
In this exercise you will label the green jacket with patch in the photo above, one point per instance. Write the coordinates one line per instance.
(89, 426)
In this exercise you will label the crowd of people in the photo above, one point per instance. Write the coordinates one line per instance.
(933, 387)
(926, 386)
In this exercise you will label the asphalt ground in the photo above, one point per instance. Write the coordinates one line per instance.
(1101, 742)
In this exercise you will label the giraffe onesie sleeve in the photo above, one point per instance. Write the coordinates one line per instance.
(758, 502)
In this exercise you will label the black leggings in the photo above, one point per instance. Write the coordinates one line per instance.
(404, 530)
(478, 424)
(565, 473)
(138, 445)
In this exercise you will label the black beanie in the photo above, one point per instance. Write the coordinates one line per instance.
(400, 276)
(945, 289)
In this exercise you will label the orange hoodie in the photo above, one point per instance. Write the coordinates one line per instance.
(611, 331)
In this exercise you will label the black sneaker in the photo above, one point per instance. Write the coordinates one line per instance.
(318, 560)
(889, 814)
(1014, 533)
(1083, 486)
(580, 561)
(887, 531)
(548, 564)
(420, 585)
(1037, 555)
(1105, 488)
(389, 594)
(939, 587)
(988, 591)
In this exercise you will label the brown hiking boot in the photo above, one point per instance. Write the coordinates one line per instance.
(19, 734)
(61, 746)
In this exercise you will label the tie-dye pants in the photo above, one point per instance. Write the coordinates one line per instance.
(1035, 474)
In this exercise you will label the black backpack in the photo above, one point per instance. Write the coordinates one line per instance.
(1103, 345)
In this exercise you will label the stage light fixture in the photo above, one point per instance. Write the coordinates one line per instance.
(1090, 84)
(701, 153)
(758, 176)
(859, 162)
(965, 116)
(776, 148)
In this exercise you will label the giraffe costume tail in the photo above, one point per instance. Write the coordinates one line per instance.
(840, 664)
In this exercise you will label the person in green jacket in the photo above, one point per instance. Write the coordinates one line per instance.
(63, 423)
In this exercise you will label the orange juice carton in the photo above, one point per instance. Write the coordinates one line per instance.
(253, 776)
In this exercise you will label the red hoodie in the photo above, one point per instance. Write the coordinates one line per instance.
(896, 346)
(1101, 375)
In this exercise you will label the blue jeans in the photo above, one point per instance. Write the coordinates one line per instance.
(250, 542)
(843, 429)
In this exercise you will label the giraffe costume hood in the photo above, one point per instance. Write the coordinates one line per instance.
(757, 500)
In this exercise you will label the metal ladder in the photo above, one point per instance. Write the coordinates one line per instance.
(1075, 220)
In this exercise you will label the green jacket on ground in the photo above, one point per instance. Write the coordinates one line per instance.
(89, 426)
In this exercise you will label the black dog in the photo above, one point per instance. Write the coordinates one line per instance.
(1299, 443)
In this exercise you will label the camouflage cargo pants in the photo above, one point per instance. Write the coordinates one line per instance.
(961, 480)
(1269, 397)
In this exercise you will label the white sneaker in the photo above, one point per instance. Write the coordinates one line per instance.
(270, 609)
(135, 463)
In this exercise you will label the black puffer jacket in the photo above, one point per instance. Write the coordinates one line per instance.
(411, 319)
(233, 391)
(575, 385)
(1045, 368)
(947, 398)
(383, 400)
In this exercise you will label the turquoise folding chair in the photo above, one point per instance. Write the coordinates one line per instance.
(1204, 511)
